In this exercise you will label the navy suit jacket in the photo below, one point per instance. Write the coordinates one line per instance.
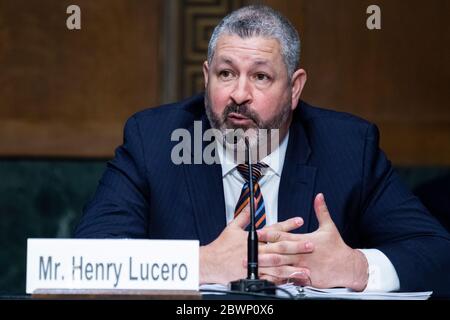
(143, 194)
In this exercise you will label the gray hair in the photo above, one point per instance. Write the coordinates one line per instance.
(258, 20)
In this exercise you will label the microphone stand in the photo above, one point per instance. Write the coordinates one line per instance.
(252, 283)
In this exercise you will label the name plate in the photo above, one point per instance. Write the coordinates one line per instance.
(112, 264)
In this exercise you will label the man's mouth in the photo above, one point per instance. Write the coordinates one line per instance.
(239, 119)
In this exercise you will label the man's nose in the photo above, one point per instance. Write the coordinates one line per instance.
(242, 92)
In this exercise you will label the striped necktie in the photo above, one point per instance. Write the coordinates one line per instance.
(244, 199)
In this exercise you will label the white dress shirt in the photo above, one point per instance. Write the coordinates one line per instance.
(382, 274)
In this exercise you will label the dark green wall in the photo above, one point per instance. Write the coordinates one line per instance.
(39, 199)
(44, 199)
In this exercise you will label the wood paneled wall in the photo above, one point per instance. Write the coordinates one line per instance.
(68, 93)
(397, 77)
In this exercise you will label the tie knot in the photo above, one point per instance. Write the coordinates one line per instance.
(257, 168)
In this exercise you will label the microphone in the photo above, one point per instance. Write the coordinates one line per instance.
(252, 283)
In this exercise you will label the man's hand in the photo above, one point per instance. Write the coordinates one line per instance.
(221, 260)
(328, 263)
(280, 266)
(225, 259)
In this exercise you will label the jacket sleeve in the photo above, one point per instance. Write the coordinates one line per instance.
(395, 221)
(120, 206)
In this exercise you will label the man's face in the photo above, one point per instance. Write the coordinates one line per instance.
(247, 85)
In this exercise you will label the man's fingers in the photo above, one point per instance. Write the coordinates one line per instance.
(286, 272)
(275, 236)
(243, 219)
(276, 260)
(286, 226)
(320, 207)
(288, 247)
(295, 278)
(300, 279)
(273, 260)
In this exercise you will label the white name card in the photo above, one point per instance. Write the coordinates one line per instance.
(112, 264)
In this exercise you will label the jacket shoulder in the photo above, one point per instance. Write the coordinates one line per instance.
(309, 114)
(333, 125)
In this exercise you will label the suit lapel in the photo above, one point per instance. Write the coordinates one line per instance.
(205, 188)
(296, 192)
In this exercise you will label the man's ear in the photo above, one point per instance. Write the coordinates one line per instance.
(205, 72)
(298, 82)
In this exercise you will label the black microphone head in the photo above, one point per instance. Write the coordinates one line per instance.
(247, 142)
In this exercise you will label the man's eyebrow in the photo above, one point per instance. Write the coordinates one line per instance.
(261, 62)
(226, 60)
(258, 62)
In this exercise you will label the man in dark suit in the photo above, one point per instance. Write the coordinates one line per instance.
(366, 235)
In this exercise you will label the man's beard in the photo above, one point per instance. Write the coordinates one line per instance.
(221, 122)
(263, 136)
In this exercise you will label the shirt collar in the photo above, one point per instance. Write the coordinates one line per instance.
(275, 160)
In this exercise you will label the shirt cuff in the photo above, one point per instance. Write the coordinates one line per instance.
(382, 274)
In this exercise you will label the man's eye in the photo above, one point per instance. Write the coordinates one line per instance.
(262, 77)
(225, 74)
